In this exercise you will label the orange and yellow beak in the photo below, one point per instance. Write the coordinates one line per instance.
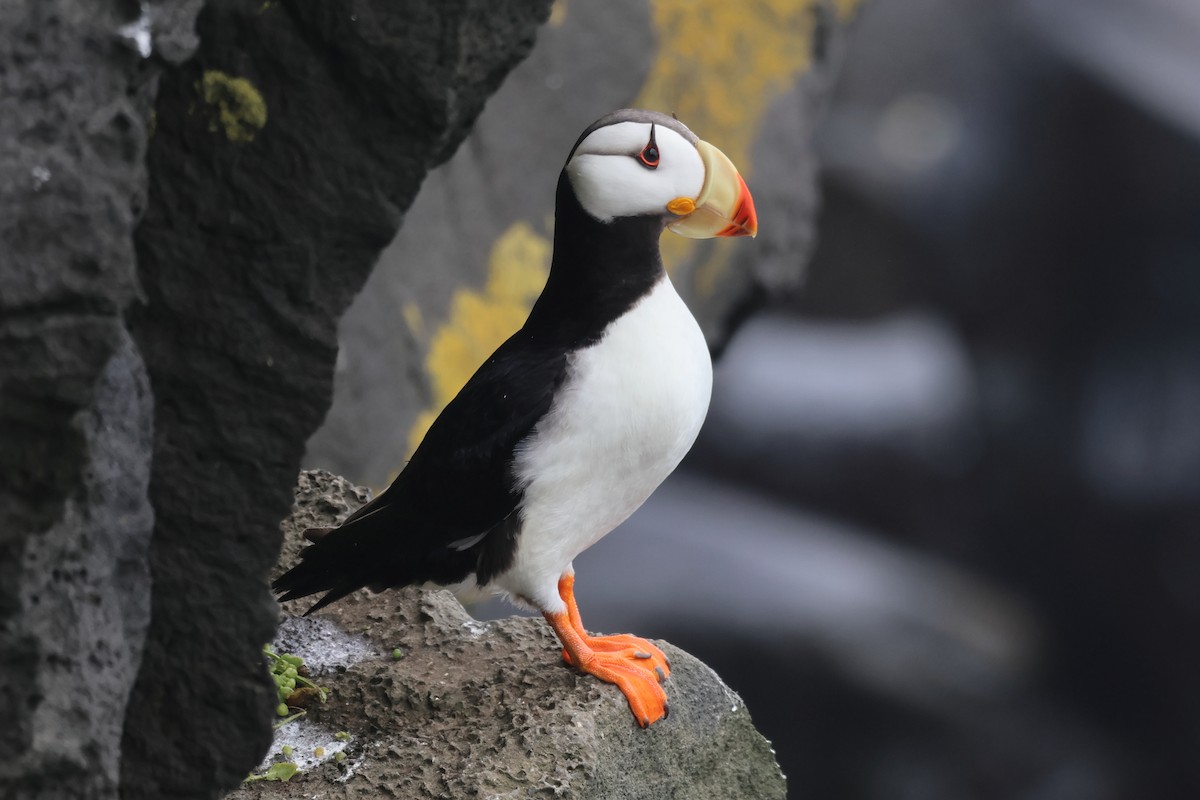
(724, 206)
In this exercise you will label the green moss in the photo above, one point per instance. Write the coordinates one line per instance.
(238, 108)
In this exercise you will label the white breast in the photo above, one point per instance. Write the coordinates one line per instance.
(629, 410)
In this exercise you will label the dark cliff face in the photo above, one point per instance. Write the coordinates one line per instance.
(75, 411)
(179, 364)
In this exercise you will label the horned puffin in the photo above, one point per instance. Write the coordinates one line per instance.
(571, 424)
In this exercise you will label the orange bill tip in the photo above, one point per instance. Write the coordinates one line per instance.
(744, 220)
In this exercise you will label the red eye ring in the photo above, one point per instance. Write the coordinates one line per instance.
(649, 154)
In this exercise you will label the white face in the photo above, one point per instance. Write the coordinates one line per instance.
(611, 180)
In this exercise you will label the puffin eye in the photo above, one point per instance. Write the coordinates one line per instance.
(649, 154)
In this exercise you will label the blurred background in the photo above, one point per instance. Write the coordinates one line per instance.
(942, 528)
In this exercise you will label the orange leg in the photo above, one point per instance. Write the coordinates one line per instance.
(633, 664)
(633, 648)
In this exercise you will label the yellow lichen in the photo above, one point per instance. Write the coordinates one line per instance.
(414, 319)
(480, 321)
(238, 108)
(558, 14)
(719, 66)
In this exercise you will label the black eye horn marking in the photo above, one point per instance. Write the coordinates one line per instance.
(649, 154)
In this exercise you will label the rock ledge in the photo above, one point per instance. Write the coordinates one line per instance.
(488, 710)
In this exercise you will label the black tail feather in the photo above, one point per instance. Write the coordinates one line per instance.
(380, 549)
(339, 561)
(315, 535)
(334, 594)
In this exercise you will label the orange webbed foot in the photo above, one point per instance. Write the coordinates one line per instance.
(646, 698)
(633, 649)
(632, 663)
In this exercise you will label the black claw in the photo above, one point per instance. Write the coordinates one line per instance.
(641, 655)
(662, 676)
(645, 722)
(666, 710)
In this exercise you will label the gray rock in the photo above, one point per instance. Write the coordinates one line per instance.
(75, 413)
(78, 603)
(284, 156)
(490, 710)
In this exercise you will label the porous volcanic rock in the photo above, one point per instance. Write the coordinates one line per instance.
(489, 710)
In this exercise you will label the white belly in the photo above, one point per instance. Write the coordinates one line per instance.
(627, 413)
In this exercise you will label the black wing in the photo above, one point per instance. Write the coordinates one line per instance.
(454, 508)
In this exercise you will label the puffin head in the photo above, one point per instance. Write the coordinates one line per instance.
(635, 163)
